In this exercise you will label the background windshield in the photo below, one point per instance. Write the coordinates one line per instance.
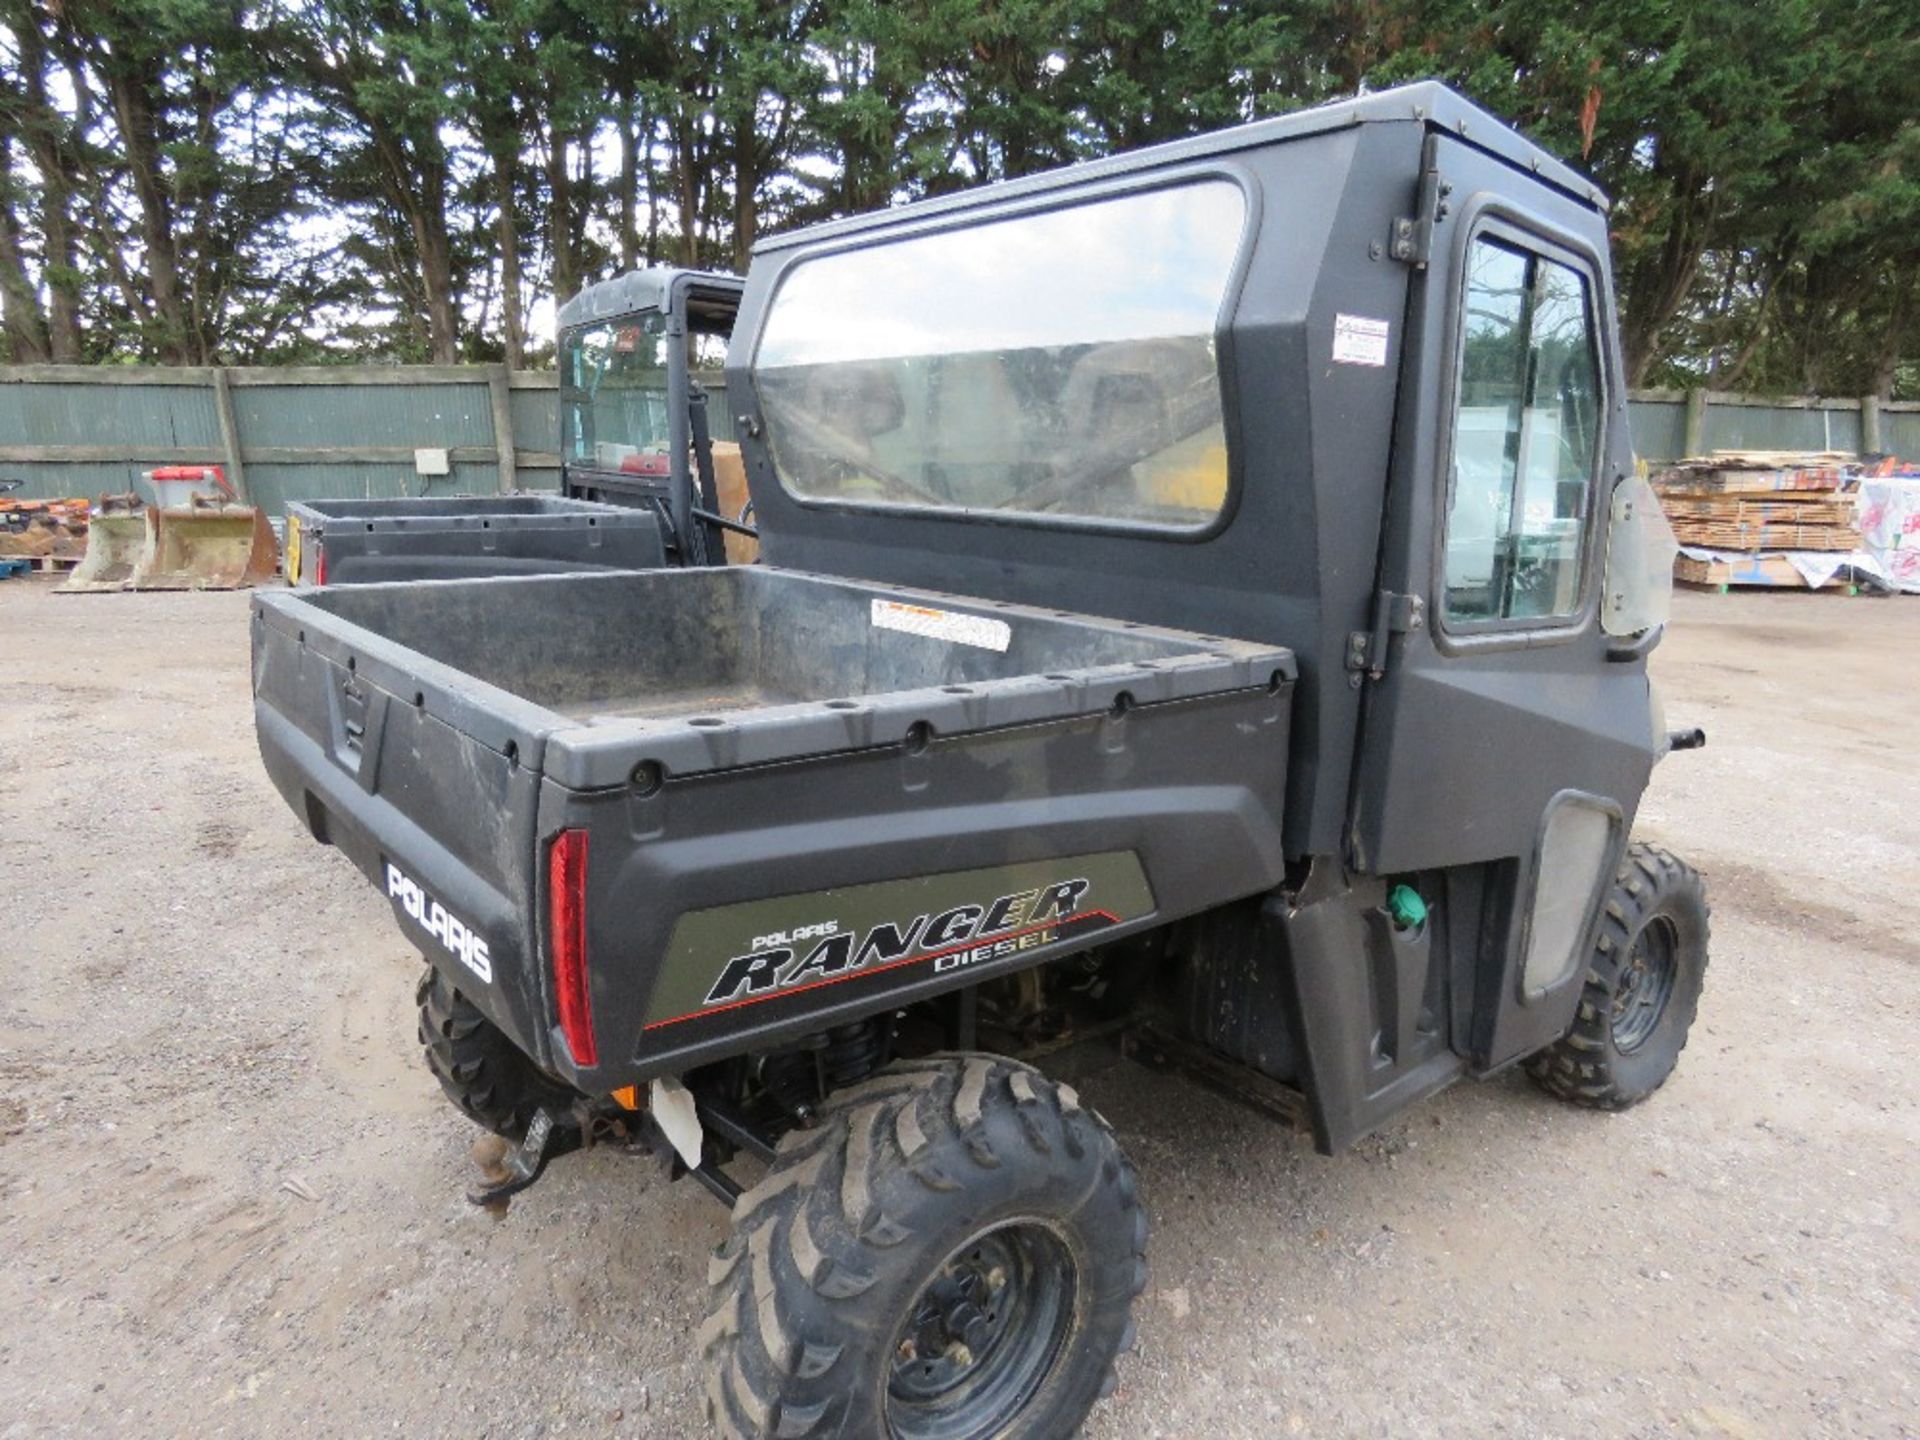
(1061, 363)
(613, 395)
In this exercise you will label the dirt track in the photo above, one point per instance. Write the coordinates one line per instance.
(202, 1014)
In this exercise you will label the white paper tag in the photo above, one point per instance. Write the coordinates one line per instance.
(679, 1119)
(942, 625)
(1359, 341)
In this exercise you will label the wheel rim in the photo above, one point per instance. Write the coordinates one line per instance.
(982, 1335)
(1641, 993)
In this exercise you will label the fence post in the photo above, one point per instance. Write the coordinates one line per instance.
(1693, 441)
(1870, 425)
(502, 398)
(229, 432)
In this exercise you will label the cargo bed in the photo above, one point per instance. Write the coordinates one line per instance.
(764, 762)
(460, 537)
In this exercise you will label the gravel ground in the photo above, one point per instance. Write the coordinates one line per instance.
(230, 1195)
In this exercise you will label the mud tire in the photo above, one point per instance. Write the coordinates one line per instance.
(832, 1251)
(482, 1071)
(1654, 893)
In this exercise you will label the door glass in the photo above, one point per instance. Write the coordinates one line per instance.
(1524, 440)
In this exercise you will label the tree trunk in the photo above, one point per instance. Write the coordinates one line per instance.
(62, 272)
(653, 219)
(130, 87)
(436, 272)
(97, 235)
(507, 231)
(427, 220)
(207, 254)
(746, 188)
(26, 324)
(561, 241)
(629, 180)
(417, 185)
(1727, 377)
(1657, 286)
(47, 140)
(683, 180)
(1893, 339)
(1657, 292)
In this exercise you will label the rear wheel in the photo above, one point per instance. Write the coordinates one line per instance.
(1643, 987)
(482, 1071)
(952, 1255)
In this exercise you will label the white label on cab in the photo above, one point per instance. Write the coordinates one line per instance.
(943, 625)
(1359, 341)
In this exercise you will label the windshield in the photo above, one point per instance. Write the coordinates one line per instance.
(613, 395)
(1060, 363)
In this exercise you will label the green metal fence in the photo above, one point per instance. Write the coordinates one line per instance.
(283, 434)
(331, 432)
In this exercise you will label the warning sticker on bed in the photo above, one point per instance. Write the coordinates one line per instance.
(942, 625)
(1359, 341)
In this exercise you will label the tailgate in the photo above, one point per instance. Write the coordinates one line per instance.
(427, 785)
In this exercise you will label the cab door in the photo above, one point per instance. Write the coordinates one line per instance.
(1497, 728)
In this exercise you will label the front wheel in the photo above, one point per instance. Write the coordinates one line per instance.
(952, 1255)
(1642, 989)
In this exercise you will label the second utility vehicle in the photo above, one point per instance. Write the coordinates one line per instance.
(1207, 600)
(641, 483)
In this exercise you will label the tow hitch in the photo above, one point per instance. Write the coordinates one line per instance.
(506, 1169)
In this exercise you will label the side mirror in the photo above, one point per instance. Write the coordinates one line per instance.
(1638, 594)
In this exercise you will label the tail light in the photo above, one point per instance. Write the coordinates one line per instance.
(320, 568)
(567, 942)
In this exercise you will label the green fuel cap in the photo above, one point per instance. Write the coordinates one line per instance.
(1408, 910)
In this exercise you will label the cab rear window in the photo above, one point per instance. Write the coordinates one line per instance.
(1061, 364)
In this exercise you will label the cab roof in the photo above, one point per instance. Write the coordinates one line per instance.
(650, 289)
(1427, 102)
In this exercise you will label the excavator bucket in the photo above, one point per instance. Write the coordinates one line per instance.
(206, 545)
(116, 538)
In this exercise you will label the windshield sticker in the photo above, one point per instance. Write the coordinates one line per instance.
(943, 625)
(1359, 341)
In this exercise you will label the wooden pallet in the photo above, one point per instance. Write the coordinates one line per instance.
(1761, 571)
(1778, 483)
(55, 564)
(1803, 508)
(1783, 474)
(1732, 535)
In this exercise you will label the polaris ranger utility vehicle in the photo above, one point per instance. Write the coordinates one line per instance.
(641, 483)
(1207, 600)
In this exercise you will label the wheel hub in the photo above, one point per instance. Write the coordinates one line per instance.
(1644, 985)
(981, 1336)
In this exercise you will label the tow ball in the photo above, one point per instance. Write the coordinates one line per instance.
(506, 1169)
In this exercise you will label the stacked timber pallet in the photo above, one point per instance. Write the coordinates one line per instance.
(45, 534)
(1762, 517)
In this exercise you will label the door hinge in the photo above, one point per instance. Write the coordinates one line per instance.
(1393, 614)
(1413, 234)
